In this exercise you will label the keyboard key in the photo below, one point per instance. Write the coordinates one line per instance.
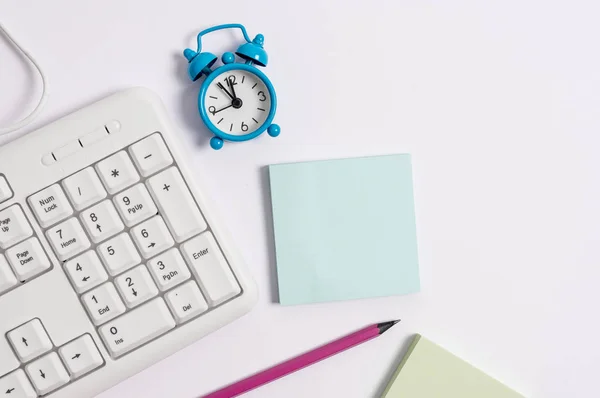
(135, 205)
(13, 226)
(84, 188)
(101, 221)
(28, 259)
(16, 385)
(136, 286)
(93, 137)
(103, 303)
(66, 150)
(7, 278)
(137, 327)
(5, 191)
(117, 172)
(150, 155)
(30, 340)
(114, 126)
(50, 205)
(68, 239)
(152, 236)
(48, 158)
(186, 302)
(86, 271)
(81, 356)
(169, 269)
(118, 254)
(176, 204)
(47, 373)
(208, 264)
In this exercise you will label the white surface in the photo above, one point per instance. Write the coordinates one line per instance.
(498, 103)
(15, 125)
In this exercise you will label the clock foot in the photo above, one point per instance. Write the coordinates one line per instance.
(216, 143)
(273, 130)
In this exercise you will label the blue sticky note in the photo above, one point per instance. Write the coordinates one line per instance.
(344, 229)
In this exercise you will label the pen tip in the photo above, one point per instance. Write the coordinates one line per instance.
(384, 326)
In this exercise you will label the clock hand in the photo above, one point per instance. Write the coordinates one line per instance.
(224, 89)
(222, 109)
(231, 84)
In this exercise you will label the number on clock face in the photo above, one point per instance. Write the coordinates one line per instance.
(237, 102)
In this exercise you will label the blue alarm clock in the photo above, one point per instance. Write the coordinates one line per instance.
(237, 101)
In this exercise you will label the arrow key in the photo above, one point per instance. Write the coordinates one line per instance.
(86, 271)
(16, 385)
(47, 373)
(152, 236)
(81, 356)
(30, 340)
(136, 286)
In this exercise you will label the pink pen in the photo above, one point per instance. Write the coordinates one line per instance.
(302, 361)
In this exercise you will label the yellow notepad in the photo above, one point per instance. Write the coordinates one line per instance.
(429, 371)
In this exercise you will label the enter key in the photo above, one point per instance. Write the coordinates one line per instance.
(211, 269)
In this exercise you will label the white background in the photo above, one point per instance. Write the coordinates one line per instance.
(498, 102)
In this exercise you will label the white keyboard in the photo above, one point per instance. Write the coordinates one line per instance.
(110, 257)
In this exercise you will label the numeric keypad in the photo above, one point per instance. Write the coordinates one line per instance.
(128, 240)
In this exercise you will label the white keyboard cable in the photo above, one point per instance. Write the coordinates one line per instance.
(36, 111)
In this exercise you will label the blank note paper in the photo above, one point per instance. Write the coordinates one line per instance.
(344, 229)
(429, 371)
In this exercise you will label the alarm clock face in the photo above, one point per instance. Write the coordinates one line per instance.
(237, 102)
